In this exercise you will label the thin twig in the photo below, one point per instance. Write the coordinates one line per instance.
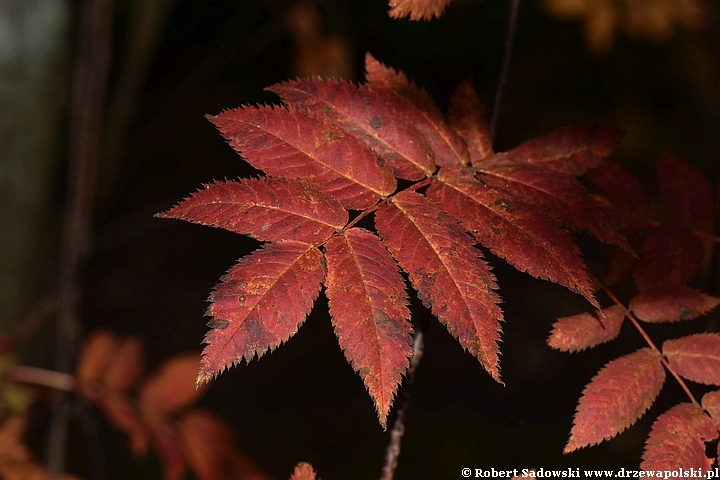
(507, 55)
(392, 451)
(41, 377)
(88, 102)
(629, 315)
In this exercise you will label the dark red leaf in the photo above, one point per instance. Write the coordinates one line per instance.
(417, 9)
(211, 450)
(367, 300)
(268, 209)
(288, 143)
(171, 387)
(687, 192)
(670, 255)
(711, 403)
(695, 357)
(447, 271)
(126, 367)
(260, 303)
(303, 471)
(511, 229)
(558, 196)
(616, 398)
(467, 118)
(566, 150)
(671, 304)
(586, 330)
(677, 440)
(368, 116)
(625, 192)
(95, 357)
(418, 108)
(167, 446)
(619, 267)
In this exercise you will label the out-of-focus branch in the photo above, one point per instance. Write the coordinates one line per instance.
(87, 107)
(504, 70)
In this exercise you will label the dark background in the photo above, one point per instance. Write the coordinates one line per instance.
(303, 402)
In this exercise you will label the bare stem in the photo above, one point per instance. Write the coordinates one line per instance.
(650, 343)
(88, 103)
(392, 452)
(507, 55)
(41, 377)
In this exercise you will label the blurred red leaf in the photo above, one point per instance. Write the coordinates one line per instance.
(96, 353)
(375, 334)
(211, 449)
(677, 440)
(695, 357)
(687, 192)
(171, 387)
(303, 471)
(625, 192)
(123, 413)
(126, 366)
(586, 330)
(616, 397)
(671, 304)
(670, 255)
(417, 9)
(167, 444)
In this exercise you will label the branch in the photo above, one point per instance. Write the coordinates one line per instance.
(88, 102)
(507, 55)
(392, 451)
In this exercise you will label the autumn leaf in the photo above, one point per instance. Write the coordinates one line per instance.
(364, 113)
(126, 367)
(671, 304)
(695, 357)
(418, 109)
(417, 9)
(670, 255)
(711, 403)
(625, 193)
(289, 143)
(466, 116)
(375, 334)
(511, 229)
(586, 330)
(447, 271)
(303, 471)
(268, 209)
(566, 150)
(171, 387)
(96, 355)
(687, 193)
(616, 398)
(677, 440)
(260, 303)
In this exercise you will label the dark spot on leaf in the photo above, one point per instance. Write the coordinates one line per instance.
(504, 203)
(381, 162)
(327, 110)
(685, 313)
(376, 123)
(219, 324)
(241, 300)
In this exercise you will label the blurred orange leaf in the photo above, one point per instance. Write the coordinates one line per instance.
(171, 387)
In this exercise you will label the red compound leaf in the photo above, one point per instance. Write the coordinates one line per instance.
(586, 330)
(364, 113)
(260, 303)
(695, 357)
(616, 398)
(289, 143)
(711, 403)
(687, 192)
(268, 209)
(558, 195)
(671, 304)
(418, 109)
(467, 118)
(417, 9)
(447, 271)
(677, 440)
(566, 150)
(367, 300)
(511, 229)
(670, 255)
